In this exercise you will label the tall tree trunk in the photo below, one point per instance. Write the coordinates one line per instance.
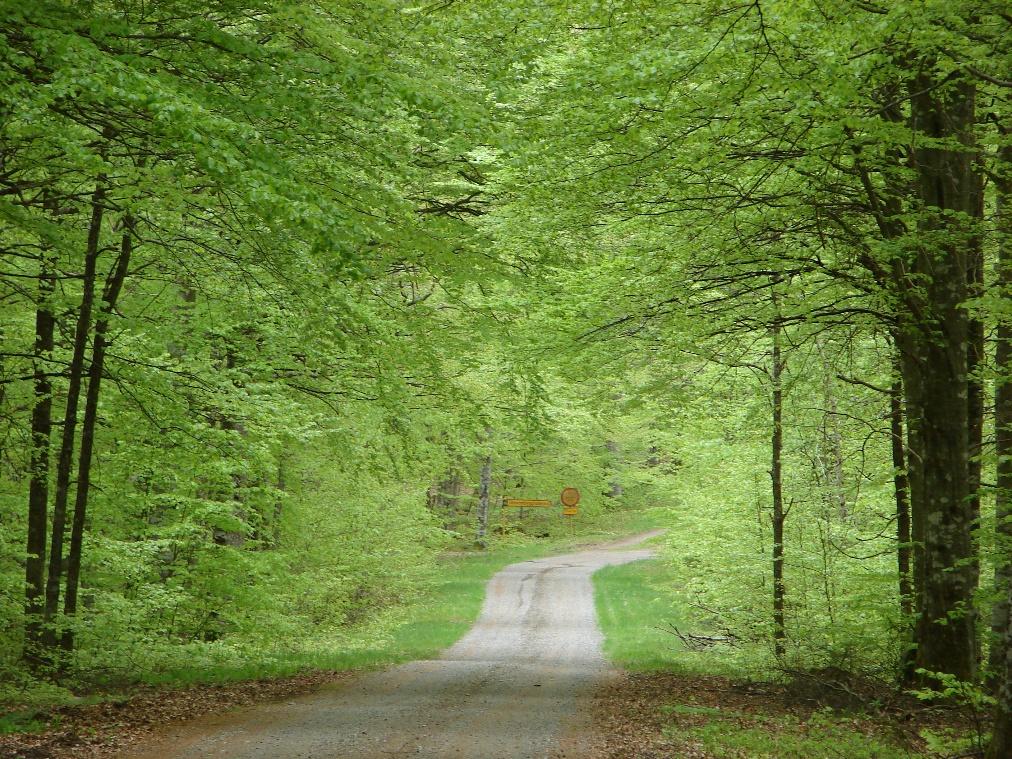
(1001, 623)
(975, 361)
(832, 443)
(65, 461)
(38, 485)
(95, 371)
(444, 497)
(615, 488)
(1000, 619)
(901, 489)
(904, 544)
(975, 394)
(484, 483)
(776, 475)
(933, 341)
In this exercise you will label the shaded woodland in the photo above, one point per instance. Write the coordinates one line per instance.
(293, 294)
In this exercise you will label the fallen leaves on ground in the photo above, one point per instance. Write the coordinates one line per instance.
(102, 730)
(634, 719)
(630, 714)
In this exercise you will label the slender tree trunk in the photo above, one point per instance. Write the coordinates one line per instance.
(901, 488)
(615, 488)
(833, 445)
(484, 483)
(282, 488)
(38, 485)
(776, 475)
(975, 392)
(95, 371)
(66, 456)
(904, 544)
(1001, 622)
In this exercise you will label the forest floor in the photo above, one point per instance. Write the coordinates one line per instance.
(639, 715)
(548, 662)
(519, 684)
(649, 715)
(545, 663)
(109, 727)
(704, 704)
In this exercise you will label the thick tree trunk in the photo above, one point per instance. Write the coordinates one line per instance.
(484, 484)
(65, 461)
(1001, 737)
(936, 405)
(975, 362)
(95, 371)
(933, 339)
(38, 484)
(776, 475)
(1001, 623)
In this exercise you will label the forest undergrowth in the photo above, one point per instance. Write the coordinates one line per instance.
(693, 689)
(294, 296)
(99, 715)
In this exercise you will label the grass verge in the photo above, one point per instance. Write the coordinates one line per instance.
(683, 703)
(729, 734)
(452, 604)
(635, 615)
(416, 629)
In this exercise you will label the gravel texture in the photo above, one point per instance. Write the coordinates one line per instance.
(519, 685)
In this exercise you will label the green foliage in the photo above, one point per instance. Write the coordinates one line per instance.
(733, 735)
(840, 569)
(637, 614)
(373, 246)
(311, 333)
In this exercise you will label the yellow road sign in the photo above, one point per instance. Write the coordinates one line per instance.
(571, 512)
(570, 497)
(528, 503)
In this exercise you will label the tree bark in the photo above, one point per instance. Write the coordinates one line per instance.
(38, 485)
(88, 423)
(1000, 658)
(484, 484)
(933, 341)
(615, 488)
(65, 461)
(776, 476)
(975, 362)
(832, 442)
(901, 487)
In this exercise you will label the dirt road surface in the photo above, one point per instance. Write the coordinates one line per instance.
(517, 686)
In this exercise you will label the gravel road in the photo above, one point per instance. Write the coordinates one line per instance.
(517, 686)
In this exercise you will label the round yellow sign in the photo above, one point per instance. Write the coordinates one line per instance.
(570, 497)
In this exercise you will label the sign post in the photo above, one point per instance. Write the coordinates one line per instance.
(525, 503)
(570, 497)
(529, 503)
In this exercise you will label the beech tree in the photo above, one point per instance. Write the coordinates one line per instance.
(865, 175)
(272, 274)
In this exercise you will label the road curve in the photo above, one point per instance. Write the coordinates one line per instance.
(516, 686)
